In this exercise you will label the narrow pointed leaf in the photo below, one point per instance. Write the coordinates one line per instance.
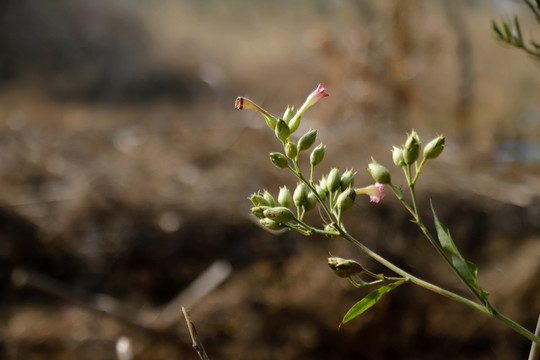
(371, 299)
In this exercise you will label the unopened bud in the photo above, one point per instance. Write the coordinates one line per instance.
(317, 155)
(284, 197)
(258, 211)
(411, 149)
(258, 200)
(333, 181)
(311, 202)
(321, 192)
(282, 130)
(269, 198)
(307, 140)
(279, 160)
(291, 150)
(280, 214)
(434, 148)
(300, 196)
(347, 179)
(397, 156)
(379, 172)
(345, 200)
(344, 267)
(288, 114)
(271, 224)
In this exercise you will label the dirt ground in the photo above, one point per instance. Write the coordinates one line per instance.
(125, 172)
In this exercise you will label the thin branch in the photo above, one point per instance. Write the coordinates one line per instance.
(535, 348)
(197, 344)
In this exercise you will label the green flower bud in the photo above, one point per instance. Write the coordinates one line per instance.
(345, 200)
(317, 155)
(397, 156)
(271, 121)
(411, 149)
(258, 200)
(290, 150)
(333, 181)
(344, 267)
(300, 195)
(268, 197)
(434, 148)
(280, 214)
(379, 173)
(282, 130)
(271, 224)
(311, 202)
(321, 192)
(307, 140)
(288, 114)
(347, 179)
(258, 211)
(279, 160)
(284, 197)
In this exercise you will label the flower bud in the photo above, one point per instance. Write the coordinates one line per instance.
(282, 130)
(317, 155)
(397, 156)
(307, 140)
(434, 148)
(271, 224)
(258, 200)
(280, 214)
(321, 192)
(258, 211)
(333, 181)
(311, 202)
(291, 150)
(284, 197)
(288, 114)
(411, 149)
(379, 172)
(347, 179)
(300, 195)
(311, 100)
(345, 200)
(268, 197)
(279, 160)
(344, 267)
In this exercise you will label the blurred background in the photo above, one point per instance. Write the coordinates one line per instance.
(125, 171)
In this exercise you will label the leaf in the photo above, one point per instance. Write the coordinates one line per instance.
(466, 269)
(369, 300)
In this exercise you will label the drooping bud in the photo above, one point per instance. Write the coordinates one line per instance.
(282, 130)
(288, 114)
(411, 149)
(268, 197)
(291, 150)
(307, 140)
(344, 267)
(280, 214)
(284, 197)
(300, 195)
(244, 103)
(345, 200)
(333, 181)
(397, 156)
(434, 148)
(258, 200)
(347, 179)
(317, 155)
(311, 202)
(271, 224)
(375, 192)
(258, 211)
(279, 160)
(379, 172)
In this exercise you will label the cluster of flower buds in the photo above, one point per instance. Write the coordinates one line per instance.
(410, 152)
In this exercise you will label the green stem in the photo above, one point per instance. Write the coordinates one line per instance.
(432, 287)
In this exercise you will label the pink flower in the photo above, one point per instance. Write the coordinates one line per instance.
(311, 100)
(375, 192)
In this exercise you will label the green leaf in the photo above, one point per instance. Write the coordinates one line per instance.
(370, 300)
(466, 269)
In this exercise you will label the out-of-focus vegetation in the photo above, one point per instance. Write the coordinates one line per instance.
(124, 171)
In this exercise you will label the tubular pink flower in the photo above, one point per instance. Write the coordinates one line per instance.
(375, 192)
(311, 100)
